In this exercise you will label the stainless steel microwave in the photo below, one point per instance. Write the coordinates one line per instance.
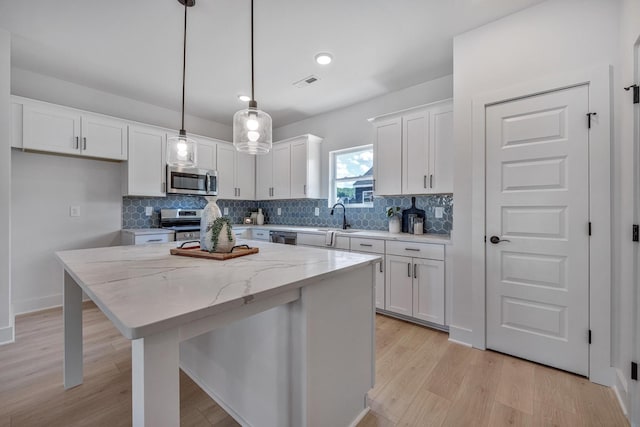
(194, 181)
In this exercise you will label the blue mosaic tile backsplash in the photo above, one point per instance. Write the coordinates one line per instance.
(295, 212)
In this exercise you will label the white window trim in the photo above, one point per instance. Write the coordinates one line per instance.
(332, 196)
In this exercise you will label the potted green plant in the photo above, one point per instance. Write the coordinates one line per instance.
(393, 213)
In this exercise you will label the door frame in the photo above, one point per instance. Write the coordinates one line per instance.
(598, 79)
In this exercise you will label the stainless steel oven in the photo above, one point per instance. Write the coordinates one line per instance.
(283, 237)
(185, 222)
(194, 181)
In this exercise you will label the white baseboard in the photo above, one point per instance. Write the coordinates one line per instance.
(360, 417)
(620, 388)
(36, 304)
(460, 335)
(212, 394)
(7, 335)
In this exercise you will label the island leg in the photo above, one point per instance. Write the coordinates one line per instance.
(72, 309)
(156, 380)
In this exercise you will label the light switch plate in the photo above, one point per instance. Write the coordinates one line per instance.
(148, 211)
(74, 210)
(317, 212)
(226, 211)
(279, 211)
(439, 212)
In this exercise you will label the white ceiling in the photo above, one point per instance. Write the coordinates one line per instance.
(134, 48)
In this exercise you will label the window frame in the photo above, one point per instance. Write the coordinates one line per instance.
(333, 181)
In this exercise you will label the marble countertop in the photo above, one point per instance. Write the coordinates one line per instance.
(143, 289)
(373, 234)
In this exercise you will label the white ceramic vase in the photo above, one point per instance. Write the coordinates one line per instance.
(210, 213)
(394, 224)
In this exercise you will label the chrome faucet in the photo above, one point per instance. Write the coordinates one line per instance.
(344, 215)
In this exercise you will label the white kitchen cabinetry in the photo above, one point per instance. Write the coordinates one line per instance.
(206, 155)
(146, 236)
(414, 151)
(144, 173)
(415, 280)
(273, 173)
(260, 234)
(236, 173)
(305, 167)
(52, 128)
(373, 246)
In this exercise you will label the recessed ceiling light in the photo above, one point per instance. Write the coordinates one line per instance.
(244, 98)
(324, 58)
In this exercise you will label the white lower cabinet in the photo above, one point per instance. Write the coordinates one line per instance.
(415, 285)
(373, 246)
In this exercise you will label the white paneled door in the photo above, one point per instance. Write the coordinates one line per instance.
(537, 202)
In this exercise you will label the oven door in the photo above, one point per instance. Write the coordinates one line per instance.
(194, 181)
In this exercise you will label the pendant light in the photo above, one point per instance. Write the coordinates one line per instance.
(181, 150)
(252, 127)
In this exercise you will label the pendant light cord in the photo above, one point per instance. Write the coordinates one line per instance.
(252, 81)
(184, 60)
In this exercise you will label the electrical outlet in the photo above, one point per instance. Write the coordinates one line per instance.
(439, 211)
(317, 212)
(148, 211)
(74, 210)
(279, 211)
(226, 211)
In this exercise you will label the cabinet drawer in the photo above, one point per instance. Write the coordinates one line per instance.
(318, 240)
(240, 233)
(416, 250)
(260, 234)
(375, 246)
(153, 238)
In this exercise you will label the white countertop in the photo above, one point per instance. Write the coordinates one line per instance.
(372, 234)
(144, 289)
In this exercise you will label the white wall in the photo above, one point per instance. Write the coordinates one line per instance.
(44, 88)
(6, 317)
(348, 127)
(554, 37)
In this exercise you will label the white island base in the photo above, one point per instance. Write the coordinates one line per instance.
(305, 363)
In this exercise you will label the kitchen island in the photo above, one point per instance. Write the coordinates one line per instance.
(284, 337)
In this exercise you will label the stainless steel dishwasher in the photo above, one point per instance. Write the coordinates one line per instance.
(283, 237)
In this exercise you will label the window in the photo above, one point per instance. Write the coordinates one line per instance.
(351, 177)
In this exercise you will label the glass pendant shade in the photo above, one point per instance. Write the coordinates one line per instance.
(252, 131)
(181, 151)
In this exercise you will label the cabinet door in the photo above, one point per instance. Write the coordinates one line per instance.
(441, 146)
(387, 145)
(299, 158)
(282, 171)
(226, 155)
(415, 155)
(380, 290)
(146, 166)
(206, 155)
(264, 175)
(104, 137)
(246, 176)
(398, 283)
(49, 128)
(428, 290)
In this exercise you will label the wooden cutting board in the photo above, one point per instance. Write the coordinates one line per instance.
(220, 256)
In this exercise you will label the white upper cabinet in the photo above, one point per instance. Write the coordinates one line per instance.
(236, 173)
(387, 146)
(414, 151)
(52, 128)
(207, 153)
(144, 173)
(291, 170)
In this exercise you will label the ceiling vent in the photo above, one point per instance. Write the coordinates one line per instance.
(306, 81)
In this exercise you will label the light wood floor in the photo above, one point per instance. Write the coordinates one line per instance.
(422, 380)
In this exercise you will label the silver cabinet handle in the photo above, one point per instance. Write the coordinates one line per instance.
(84, 143)
(424, 181)
(304, 189)
(415, 271)
(238, 191)
(77, 142)
(431, 181)
(409, 269)
(366, 245)
(154, 240)
(381, 267)
(412, 249)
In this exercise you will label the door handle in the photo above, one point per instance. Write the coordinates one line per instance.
(495, 240)
(409, 269)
